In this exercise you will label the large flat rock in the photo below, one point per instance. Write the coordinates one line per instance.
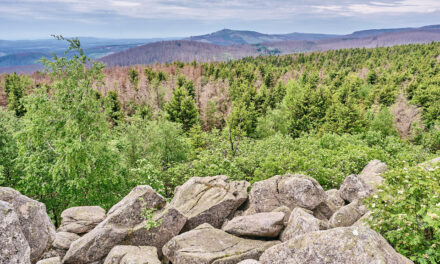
(120, 220)
(206, 244)
(132, 255)
(209, 200)
(81, 219)
(263, 225)
(343, 245)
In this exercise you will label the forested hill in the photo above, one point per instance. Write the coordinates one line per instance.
(229, 44)
(87, 136)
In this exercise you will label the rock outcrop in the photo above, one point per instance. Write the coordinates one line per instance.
(34, 221)
(370, 175)
(288, 190)
(63, 240)
(353, 188)
(209, 200)
(344, 245)
(208, 245)
(170, 221)
(332, 203)
(14, 248)
(348, 215)
(120, 219)
(264, 225)
(81, 219)
(300, 222)
(132, 255)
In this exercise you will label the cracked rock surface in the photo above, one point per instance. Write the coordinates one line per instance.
(206, 244)
(34, 221)
(343, 245)
(14, 249)
(81, 219)
(289, 190)
(209, 200)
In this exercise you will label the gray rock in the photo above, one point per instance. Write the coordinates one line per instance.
(132, 255)
(288, 190)
(63, 240)
(348, 215)
(35, 223)
(54, 260)
(170, 221)
(353, 188)
(264, 225)
(208, 245)
(14, 248)
(120, 220)
(363, 221)
(81, 219)
(343, 245)
(286, 210)
(209, 200)
(300, 222)
(326, 209)
(370, 175)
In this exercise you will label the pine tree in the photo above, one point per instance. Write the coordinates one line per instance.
(182, 109)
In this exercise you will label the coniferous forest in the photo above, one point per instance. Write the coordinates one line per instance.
(82, 134)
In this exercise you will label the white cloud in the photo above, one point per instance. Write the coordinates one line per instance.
(212, 9)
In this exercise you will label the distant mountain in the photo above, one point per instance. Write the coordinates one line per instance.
(28, 52)
(219, 46)
(199, 48)
(227, 37)
(181, 50)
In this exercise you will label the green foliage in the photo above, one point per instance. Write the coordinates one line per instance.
(113, 108)
(383, 122)
(148, 216)
(15, 88)
(9, 172)
(407, 213)
(64, 148)
(182, 109)
(133, 76)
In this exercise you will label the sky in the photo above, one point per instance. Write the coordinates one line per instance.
(38, 19)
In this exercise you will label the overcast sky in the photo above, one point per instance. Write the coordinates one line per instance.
(31, 19)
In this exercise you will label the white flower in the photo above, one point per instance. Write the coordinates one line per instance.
(355, 232)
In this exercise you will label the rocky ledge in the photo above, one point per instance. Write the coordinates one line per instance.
(285, 219)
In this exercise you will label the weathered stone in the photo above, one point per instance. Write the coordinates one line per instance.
(209, 200)
(132, 255)
(265, 225)
(63, 240)
(249, 261)
(353, 188)
(300, 222)
(344, 245)
(170, 221)
(208, 245)
(120, 220)
(326, 209)
(363, 221)
(289, 190)
(81, 219)
(54, 260)
(14, 248)
(348, 215)
(35, 223)
(286, 210)
(370, 175)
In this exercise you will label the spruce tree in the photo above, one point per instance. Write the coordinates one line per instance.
(182, 109)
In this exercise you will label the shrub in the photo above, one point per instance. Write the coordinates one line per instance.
(406, 211)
